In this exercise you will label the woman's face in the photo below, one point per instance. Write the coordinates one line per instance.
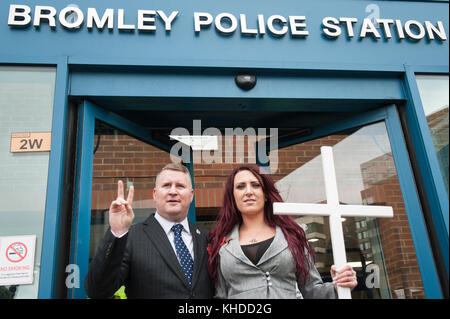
(248, 193)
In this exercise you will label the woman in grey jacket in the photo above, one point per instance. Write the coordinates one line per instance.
(256, 254)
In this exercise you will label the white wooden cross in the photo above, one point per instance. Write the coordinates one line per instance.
(335, 211)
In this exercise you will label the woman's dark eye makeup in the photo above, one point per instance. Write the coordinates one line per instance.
(243, 185)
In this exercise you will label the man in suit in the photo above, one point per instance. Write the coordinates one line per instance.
(163, 257)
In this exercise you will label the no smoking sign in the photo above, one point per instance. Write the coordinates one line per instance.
(17, 259)
(16, 252)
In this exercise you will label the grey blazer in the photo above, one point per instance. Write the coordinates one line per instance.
(144, 261)
(272, 278)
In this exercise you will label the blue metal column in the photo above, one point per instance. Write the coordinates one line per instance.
(417, 226)
(55, 187)
(429, 166)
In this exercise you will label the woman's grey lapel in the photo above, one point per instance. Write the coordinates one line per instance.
(278, 244)
(234, 248)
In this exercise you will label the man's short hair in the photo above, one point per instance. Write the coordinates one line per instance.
(175, 167)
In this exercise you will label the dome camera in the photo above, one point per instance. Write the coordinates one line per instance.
(245, 81)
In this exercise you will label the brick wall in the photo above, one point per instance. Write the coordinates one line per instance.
(123, 157)
(438, 123)
(382, 188)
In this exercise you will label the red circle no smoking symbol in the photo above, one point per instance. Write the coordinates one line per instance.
(16, 252)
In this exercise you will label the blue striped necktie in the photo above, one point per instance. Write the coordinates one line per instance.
(184, 256)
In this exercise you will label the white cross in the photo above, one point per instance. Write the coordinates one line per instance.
(335, 211)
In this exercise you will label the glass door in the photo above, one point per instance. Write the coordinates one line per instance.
(112, 149)
(391, 256)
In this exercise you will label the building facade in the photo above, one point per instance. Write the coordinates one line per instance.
(95, 92)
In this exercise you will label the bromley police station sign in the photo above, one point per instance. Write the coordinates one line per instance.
(73, 18)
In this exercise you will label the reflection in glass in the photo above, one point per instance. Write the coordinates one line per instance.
(120, 156)
(380, 250)
(434, 94)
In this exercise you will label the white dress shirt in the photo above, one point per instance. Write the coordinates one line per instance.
(185, 234)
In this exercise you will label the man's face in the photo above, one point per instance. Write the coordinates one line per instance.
(173, 195)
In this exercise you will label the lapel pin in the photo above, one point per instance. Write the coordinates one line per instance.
(197, 231)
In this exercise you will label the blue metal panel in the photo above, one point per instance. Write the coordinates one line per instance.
(6, 58)
(183, 47)
(429, 166)
(76, 201)
(221, 84)
(55, 185)
(435, 69)
(83, 222)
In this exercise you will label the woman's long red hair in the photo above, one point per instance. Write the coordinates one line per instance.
(229, 216)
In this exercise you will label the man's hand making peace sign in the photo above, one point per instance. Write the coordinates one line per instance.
(121, 213)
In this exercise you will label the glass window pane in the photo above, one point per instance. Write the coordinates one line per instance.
(118, 156)
(380, 250)
(26, 105)
(434, 94)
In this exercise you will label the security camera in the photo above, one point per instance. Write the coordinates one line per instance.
(245, 81)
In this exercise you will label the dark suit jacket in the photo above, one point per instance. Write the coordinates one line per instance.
(144, 261)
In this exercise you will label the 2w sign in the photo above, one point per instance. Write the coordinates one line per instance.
(30, 142)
